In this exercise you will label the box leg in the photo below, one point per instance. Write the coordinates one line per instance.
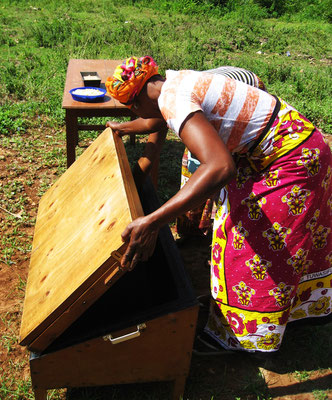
(178, 388)
(40, 394)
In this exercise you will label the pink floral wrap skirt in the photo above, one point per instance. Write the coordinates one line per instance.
(271, 257)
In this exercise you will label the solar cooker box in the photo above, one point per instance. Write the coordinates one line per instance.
(85, 321)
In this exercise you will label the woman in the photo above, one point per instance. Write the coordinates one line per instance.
(200, 220)
(271, 248)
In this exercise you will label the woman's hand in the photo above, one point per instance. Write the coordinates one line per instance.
(116, 127)
(142, 237)
(137, 126)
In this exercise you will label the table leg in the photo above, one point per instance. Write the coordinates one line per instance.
(71, 136)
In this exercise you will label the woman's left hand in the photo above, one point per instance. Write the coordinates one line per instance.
(117, 127)
(142, 237)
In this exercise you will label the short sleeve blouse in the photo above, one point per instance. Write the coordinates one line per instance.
(239, 112)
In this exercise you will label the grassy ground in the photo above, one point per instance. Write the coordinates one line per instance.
(29, 163)
(292, 57)
(37, 39)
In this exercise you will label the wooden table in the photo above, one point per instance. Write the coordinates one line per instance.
(75, 109)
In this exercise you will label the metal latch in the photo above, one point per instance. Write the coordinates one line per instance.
(128, 336)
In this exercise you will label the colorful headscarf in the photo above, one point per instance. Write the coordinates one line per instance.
(129, 78)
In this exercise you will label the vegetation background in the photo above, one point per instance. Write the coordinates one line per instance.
(286, 42)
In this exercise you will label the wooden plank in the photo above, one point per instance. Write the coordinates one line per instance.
(82, 127)
(129, 184)
(79, 223)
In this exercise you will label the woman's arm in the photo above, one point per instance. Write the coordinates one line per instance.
(148, 163)
(139, 126)
(216, 170)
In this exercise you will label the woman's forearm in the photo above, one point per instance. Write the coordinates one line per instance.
(201, 185)
(137, 126)
(216, 170)
(148, 163)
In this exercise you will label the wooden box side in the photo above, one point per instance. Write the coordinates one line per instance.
(79, 224)
(161, 352)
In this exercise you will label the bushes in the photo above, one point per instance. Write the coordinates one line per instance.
(289, 9)
(308, 10)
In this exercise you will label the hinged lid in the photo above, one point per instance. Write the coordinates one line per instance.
(79, 224)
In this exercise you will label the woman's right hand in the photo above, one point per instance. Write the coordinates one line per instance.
(141, 236)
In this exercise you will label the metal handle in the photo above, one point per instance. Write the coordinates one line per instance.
(128, 336)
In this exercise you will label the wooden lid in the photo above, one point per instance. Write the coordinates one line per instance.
(79, 225)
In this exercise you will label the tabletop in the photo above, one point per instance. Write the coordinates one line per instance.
(105, 68)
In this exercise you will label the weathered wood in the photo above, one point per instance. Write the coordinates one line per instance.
(79, 224)
(95, 196)
(85, 127)
(82, 303)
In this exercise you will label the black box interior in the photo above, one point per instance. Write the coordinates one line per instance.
(154, 288)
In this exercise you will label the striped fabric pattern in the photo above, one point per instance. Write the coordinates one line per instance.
(238, 112)
(238, 74)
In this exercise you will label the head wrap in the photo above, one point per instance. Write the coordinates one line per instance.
(129, 78)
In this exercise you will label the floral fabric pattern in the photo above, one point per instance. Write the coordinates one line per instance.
(287, 132)
(271, 260)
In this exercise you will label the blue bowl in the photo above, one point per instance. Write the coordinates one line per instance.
(85, 98)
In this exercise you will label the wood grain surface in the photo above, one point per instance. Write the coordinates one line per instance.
(79, 224)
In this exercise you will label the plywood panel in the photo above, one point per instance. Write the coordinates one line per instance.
(79, 223)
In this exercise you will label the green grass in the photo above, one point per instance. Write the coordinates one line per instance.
(37, 42)
(302, 375)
